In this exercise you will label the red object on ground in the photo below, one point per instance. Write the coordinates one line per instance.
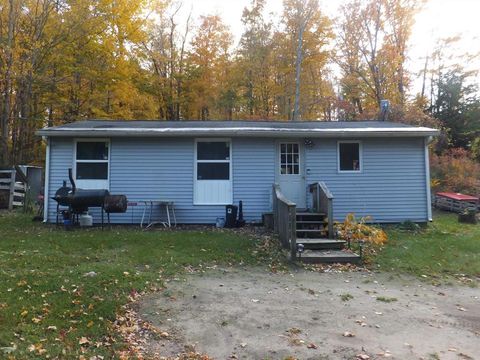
(458, 196)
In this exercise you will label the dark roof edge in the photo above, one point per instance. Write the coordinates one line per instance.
(240, 131)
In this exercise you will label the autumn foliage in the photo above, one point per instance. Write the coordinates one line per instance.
(455, 170)
(355, 230)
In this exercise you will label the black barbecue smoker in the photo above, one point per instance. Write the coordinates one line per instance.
(79, 201)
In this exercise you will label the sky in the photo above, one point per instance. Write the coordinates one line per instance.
(438, 19)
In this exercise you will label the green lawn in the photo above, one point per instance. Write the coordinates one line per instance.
(445, 248)
(48, 305)
(47, 301)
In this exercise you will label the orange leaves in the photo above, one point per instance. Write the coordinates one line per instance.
(37, 348)
(455, 171)
(357, 230)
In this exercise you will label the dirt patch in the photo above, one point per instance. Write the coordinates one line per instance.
(254, 314)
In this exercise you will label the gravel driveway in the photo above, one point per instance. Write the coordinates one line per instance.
(254, 314)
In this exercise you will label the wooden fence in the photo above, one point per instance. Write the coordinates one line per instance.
(13, 192)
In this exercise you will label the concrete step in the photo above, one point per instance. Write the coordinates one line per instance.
(329, 257)
(321, 243)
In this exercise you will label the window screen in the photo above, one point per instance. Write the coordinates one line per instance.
(213, 171)
(213, 150)
(92, 171)
(349, 156)
(92, 150)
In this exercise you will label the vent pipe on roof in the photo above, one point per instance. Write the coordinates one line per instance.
(384, 109)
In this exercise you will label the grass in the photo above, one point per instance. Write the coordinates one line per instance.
(386, 299)
(346, 297)
(48, 306)
(445, 248)
(47, 303)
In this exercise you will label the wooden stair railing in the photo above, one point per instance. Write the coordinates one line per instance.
(323, 203)
(284, 220)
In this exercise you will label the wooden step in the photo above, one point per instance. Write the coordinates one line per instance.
(312, 226)
(309, 213)
(309, 231)
(329, 257)
(312, 222)
(311, 234)
(321, 243)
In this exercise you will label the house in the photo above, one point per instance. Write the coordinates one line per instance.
(373, 168)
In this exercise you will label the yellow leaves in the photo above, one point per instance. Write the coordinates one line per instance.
(24, 313)
(37, 348)
(22, 283)
(83, 341)
(36, 320)
(90, 324)
(357, 230)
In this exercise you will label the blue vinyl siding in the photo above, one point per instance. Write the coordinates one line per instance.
(157, 169)
(61, 158)
(390, 188)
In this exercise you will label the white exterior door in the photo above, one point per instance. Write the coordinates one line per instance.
(290, 172)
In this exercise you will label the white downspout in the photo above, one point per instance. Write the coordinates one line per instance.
(46, 189)
(427, 179)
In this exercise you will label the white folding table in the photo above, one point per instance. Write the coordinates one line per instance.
(168, 205)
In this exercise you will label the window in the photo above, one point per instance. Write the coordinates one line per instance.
(349, 156)
(213, 160)
(289, 159)
(92, 164)
(213, 183)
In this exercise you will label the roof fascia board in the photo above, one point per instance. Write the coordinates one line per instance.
(271, 132)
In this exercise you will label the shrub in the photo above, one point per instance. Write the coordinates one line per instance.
(355, 230)
(456, 171)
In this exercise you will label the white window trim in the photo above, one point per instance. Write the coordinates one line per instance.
(75, 161)
(360, 156)
(195, 162)
(300, 157)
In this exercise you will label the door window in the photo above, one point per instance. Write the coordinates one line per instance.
(289, 159)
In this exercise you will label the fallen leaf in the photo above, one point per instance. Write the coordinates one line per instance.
(294, 330)
(312, 346)
(83, 341)
(24, 313)
(36, 320)
(348, 334)
(363, 357)
(8, 349)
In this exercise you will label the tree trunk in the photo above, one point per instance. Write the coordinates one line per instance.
(298, 70)
(5, 117)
